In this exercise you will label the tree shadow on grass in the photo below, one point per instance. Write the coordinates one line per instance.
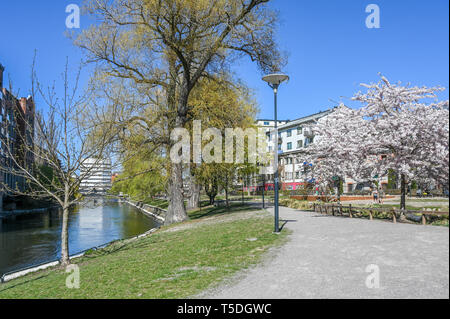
(222, 210)
(2, 289)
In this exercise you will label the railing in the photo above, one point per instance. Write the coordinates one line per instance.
(349, 211)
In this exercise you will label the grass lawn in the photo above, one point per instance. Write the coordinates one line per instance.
(175, 262)
(438, 200)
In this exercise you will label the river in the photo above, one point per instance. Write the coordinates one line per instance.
(35, 238)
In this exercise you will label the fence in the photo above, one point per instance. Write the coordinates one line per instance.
(349, 211)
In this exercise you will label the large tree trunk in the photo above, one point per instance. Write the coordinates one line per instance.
(339, 190)
(65, 237)
(403, 196)
(194, 198)
(403, 190)
(176, 212)
(226, 192)
(194, 191)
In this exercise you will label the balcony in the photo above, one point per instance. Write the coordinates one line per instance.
(308, 132)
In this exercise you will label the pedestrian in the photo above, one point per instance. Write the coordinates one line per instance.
(375, 196)
(419, 192)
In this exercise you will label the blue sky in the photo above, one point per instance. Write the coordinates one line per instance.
(330, 49)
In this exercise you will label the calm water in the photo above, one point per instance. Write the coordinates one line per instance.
(33, 239)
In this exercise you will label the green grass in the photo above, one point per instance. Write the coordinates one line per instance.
(167, 264)
(429, 200)
(213, 211)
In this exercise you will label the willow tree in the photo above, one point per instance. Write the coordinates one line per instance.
(170, 45)
(218, 104)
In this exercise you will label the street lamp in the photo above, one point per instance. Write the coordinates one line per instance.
(274, 81)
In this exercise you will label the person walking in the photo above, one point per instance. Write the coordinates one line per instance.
(381, 196)
(375, 196)
(419, 192)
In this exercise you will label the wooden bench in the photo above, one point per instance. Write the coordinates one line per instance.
(325, 208)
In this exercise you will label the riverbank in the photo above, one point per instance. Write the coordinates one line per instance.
(176, 261)
(31, 240)
(152, 211)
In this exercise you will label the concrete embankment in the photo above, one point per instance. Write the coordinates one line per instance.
(153, 211)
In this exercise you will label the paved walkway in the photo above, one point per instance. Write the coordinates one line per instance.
(327, 257)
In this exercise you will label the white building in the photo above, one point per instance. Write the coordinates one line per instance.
(293, 137)
(97, 176)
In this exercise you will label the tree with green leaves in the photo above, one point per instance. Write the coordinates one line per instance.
(168, 46)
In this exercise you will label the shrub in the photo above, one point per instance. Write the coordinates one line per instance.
(295, 204)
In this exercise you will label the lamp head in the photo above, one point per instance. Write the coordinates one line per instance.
(275, 79)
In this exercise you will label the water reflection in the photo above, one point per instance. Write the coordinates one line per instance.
(35, 238)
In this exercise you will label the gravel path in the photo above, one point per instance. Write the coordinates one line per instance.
(331, 257)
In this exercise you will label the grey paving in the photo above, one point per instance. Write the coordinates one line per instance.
(327, 257)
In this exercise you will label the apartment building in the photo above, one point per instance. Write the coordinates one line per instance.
(293, 137)
(16, 136)
(97, 176)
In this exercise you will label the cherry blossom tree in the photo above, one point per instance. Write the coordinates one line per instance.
(399, 128)
(410, 127)
(336, 153)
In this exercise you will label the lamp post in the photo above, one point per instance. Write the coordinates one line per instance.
(274, 81)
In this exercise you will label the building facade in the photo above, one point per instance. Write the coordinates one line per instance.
(16, 136)
(96, 176)
(293, 137)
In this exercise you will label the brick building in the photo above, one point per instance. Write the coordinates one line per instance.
(16, 135)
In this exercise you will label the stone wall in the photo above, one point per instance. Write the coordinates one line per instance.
(153, 211)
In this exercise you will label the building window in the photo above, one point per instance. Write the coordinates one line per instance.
(289, 146)
(299, 130)
(300, 144)
(266, 123)
(289, 133)
(309, 140)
